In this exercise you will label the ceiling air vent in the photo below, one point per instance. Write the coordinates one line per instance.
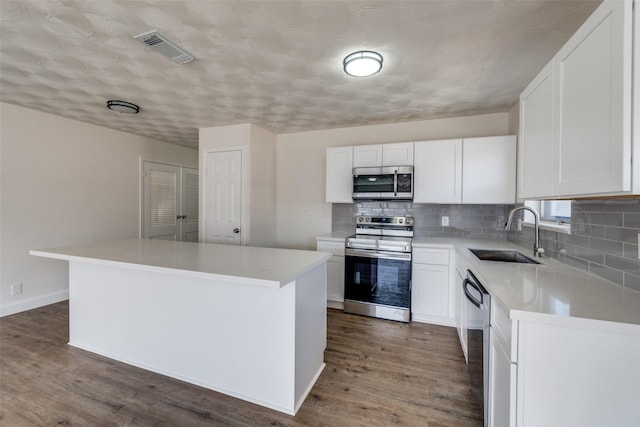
(164, 46)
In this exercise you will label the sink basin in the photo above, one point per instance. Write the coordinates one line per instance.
(502, 255)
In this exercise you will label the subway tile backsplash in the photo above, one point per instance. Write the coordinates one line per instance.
(471, 221)
(603, 239)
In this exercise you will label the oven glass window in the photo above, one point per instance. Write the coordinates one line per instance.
(378, 281)
(373, 183)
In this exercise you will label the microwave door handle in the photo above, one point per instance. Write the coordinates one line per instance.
(395, 183)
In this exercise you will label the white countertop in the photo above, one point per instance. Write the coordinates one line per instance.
(336, 236)
(267, 267)
(546, 291)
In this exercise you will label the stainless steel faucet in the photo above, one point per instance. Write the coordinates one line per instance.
(537, 250)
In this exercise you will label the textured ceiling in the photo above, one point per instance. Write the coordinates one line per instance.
(277, 64)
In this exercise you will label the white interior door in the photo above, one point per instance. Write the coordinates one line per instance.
(190, 196)
(223, 204)
(170, 202)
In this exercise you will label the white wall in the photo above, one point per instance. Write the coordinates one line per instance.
(301, 163)
(64, 182)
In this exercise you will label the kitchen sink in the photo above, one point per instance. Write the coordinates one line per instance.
(502, 255)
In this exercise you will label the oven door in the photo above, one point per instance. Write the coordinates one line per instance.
(380, 278)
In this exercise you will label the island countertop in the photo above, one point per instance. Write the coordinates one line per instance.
(268, 267)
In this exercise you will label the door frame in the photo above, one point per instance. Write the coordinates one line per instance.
(141, 162)
(244, 188)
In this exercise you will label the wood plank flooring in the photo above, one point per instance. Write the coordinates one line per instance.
(378, 373)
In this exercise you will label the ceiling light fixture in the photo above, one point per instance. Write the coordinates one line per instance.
(123, 107)
(363, 63)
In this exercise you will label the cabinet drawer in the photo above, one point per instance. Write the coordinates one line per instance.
(431, 256)
(335, 248)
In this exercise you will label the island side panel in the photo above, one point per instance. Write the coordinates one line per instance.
(311, 330)
(233, 338)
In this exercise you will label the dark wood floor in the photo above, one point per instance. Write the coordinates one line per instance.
(378, 373)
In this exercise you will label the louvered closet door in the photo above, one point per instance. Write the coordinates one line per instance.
(170, 202)
(161, 207)
(190, 202)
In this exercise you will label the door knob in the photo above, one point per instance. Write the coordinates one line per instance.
(236, 230)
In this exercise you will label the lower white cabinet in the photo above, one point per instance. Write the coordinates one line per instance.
(459, 311)
(431, 286)
(559, 371)
(335, 271)
(502, 370)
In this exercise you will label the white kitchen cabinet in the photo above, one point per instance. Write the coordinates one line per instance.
(558, 371)
(592, 121)
(593, 99)
(398, 154)
(339, 179)
(470, 170)
(367, 155)
(535, 142)
(431, 286)
(489, 170)
(438, 171)
(335, 271)
(502, 370)
(460, 313)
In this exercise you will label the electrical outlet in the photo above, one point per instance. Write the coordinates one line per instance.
(445, 221)
(16, 289)
(309, 216)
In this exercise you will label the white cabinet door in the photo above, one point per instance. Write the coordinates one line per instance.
(460, 313)
(335, 269)
(339, 179)
(335, 279)
(489, 170)
(400, 154)
(430, 293)
(593, 100)
(535, 141)
(502, 390)
(431, 283)
(367, 155)
(438, 171)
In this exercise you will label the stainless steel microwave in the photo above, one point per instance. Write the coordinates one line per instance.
(383, 183)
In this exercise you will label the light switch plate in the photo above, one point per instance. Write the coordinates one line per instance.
(445, 221)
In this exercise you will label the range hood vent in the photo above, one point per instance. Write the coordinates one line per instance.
(164, 46)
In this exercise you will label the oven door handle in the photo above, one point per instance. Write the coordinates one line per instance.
(373, 254)
(470, 297)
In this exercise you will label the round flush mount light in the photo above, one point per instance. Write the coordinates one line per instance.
(363, 63)
(123, 107)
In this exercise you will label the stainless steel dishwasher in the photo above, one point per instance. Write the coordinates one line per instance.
(478, 340)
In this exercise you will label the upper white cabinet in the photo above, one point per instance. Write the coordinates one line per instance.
(489, 170)
(399, 154)
(438, 171)
(535, 170)
(470, 170)
(367, 155)
(339, 179)
(589, 148)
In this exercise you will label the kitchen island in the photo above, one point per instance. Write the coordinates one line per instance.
(244, 321)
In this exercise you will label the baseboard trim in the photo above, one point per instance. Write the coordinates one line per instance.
(34, 302)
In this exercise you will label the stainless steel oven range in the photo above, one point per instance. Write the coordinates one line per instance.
(377, 278)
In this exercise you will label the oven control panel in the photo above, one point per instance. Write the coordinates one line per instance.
(385, 221)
